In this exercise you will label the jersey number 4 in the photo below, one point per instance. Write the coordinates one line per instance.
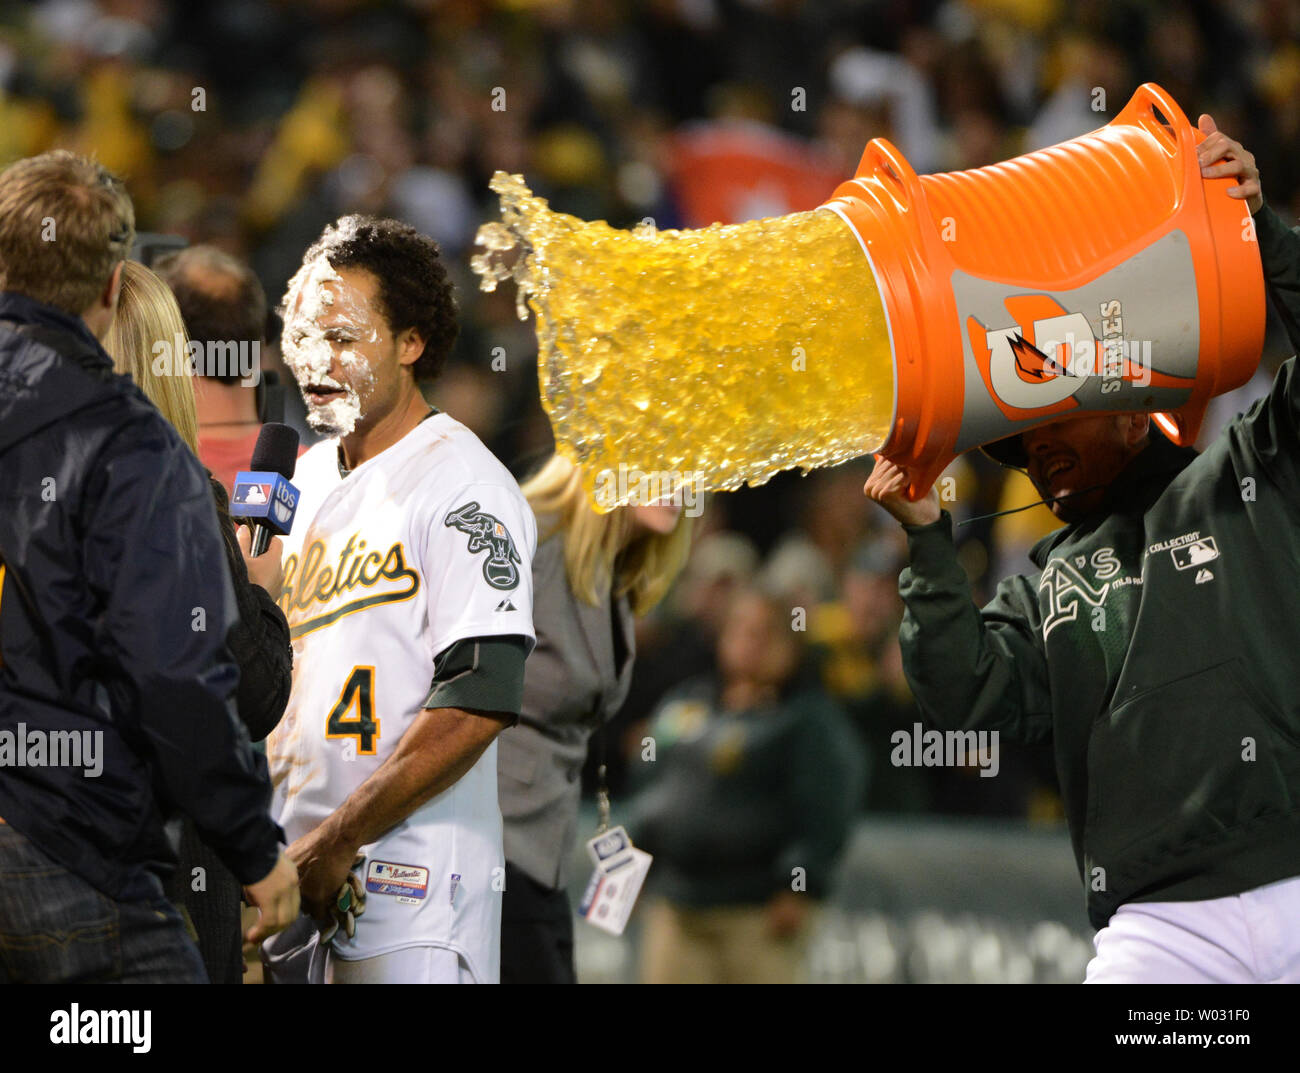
(359, 693)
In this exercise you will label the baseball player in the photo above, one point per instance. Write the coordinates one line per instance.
(408, 589)
(1151, 649)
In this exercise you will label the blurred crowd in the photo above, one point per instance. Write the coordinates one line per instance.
(250, 124)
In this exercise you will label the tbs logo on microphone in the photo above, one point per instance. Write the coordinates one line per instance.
(267, 497)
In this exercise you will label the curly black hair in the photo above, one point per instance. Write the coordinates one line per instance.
(414, 290)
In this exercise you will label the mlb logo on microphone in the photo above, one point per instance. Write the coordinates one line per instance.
(265, 495)
(251, 493)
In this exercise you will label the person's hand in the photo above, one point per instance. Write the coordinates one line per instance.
(323, 867)
(786, 912)
(349, 903)
(275, 896)
(886, 486)
(265, 569)
(1220, 156)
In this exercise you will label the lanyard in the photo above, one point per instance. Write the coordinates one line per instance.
(602, 784)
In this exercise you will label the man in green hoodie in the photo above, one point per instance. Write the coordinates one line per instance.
(1153, 649)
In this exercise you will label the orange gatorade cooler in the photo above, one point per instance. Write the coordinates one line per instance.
(916, 317)
(1100, 274)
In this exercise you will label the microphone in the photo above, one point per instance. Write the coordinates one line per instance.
(263, 495)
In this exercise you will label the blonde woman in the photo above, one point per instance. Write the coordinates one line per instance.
(592, 574)
(148, 341)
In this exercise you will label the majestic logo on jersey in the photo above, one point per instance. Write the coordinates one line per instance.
(310, 588)
(486, 533)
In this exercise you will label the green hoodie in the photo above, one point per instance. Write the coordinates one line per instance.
(739, 805)
(1155, 649)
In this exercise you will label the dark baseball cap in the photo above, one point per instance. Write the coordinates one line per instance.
(1008, 451)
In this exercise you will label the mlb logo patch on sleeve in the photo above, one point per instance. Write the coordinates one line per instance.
(406, 882)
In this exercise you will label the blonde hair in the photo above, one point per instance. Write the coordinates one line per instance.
(596, 559)
(147, 314)
(65, 223)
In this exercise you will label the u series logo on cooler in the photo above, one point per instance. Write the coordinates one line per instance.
(1037, 364)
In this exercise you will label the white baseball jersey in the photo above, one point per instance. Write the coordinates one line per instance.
(427, 543)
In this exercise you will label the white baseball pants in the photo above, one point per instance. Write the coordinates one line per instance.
(1252, 937)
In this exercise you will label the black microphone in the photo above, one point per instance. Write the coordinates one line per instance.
(263, 496)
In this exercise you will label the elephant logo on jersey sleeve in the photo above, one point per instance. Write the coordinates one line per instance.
(487, 533)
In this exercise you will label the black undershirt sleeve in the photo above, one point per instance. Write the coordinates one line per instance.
(481, 674)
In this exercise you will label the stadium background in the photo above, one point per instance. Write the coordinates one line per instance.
(249, 125)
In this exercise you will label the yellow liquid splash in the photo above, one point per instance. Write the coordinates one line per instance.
(708, 358)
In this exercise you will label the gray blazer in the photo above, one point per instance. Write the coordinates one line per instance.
(571, 686)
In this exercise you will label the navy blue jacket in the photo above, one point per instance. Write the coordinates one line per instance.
(114, 608)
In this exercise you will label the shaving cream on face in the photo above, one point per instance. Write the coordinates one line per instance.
(318, 293)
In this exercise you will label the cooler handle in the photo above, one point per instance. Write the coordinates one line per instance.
(1174, 135)
(883, 162)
